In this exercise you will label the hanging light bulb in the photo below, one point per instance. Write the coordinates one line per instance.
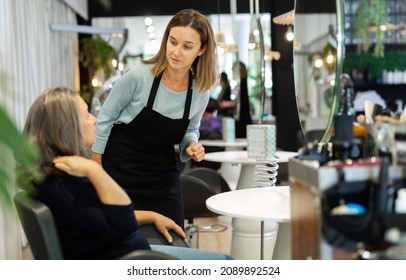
(330, 58)
(289, 34)
(318, 62)
(114, 63)
(251, 42)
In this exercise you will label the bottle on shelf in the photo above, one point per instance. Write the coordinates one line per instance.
(400, 204)
(349, 138)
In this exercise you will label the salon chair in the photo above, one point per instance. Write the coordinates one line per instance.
(39, 226)
(195, 193)
(210, 177)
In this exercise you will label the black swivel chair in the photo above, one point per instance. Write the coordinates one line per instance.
(210, 177)
(39, 226)
(198, 185)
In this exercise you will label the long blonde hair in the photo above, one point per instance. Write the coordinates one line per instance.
(204, 67)
(53, 125)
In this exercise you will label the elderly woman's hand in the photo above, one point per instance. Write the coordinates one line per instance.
(163, 224)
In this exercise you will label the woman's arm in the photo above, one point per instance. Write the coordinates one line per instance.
(192, 133)
(107, 189)
(120, 96)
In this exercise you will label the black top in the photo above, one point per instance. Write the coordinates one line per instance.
(87, 228)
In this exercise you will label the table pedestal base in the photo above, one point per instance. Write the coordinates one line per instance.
(246, 239)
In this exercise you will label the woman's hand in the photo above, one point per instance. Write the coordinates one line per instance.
(107, 189)
(75, 165)
(195, 151)
(163, 224)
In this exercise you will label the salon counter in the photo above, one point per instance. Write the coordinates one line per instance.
(309, 183)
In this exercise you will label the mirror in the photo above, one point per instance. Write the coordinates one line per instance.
(236, 46)
(318, 54)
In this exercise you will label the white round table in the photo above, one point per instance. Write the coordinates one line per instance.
(239, 143)
(257, 204)
(246, 233)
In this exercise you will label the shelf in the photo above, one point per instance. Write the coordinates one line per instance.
(362, 87)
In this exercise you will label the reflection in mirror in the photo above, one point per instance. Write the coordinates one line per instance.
(145, 37)
(317, 55)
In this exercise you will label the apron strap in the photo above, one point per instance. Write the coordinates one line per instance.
(154, 90)
(188, 97)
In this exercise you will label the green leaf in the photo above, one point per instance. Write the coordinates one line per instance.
(25, 154)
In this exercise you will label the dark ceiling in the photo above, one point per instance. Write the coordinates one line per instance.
(168, 7)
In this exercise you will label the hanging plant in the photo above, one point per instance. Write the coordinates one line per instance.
(370, 15)
(96, 56)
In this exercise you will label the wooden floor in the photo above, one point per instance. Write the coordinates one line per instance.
(217, 242)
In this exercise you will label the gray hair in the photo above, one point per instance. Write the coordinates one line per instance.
(53, 125)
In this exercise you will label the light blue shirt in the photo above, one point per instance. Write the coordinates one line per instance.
(129, 96)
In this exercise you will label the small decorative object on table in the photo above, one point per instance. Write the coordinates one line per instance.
(261, 145)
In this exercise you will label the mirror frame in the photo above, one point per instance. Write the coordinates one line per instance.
(340, 54)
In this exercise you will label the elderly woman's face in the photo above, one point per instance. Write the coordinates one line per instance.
(88, 122)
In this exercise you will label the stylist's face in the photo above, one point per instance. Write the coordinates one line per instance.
(182, 47)
(88, 122)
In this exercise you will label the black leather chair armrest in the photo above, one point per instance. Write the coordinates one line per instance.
(156, 238)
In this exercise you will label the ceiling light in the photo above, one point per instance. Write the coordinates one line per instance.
(150, 29)
(148, 21)
(289, 34)
(285, 19)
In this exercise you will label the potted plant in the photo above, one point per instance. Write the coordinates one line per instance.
(96, 55)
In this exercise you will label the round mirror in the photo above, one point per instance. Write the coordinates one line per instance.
(318, 53)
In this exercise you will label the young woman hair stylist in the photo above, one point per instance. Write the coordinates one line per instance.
(155, 105)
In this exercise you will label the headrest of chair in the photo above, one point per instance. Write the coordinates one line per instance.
(195, 194)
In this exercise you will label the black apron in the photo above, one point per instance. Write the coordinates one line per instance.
(140, 156)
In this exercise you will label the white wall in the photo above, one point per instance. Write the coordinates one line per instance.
(32, 58)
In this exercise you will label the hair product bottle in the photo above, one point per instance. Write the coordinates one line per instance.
(349, 138)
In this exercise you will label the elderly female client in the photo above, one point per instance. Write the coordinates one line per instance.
(94, 216)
